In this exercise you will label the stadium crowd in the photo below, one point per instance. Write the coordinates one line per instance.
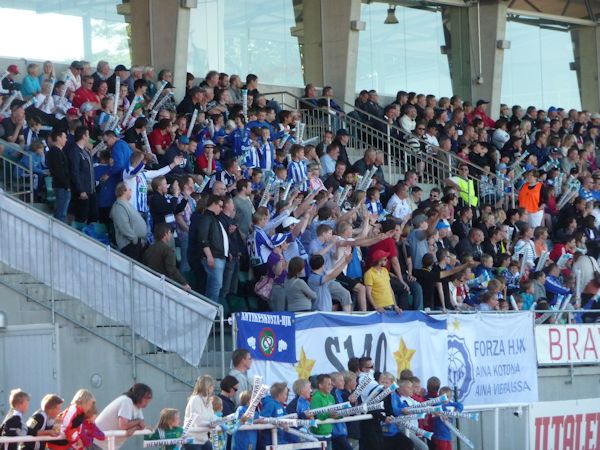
(82, 427)
(221, 194)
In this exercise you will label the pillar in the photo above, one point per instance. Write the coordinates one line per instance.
(329, 45)
(160, 36)
(475, 38)
(586, 49)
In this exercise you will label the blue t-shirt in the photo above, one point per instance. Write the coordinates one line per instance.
(316, 283)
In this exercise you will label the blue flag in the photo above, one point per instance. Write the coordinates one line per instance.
(268, 336)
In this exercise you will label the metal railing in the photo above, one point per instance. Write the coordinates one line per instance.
(391, 139)
(17, 179)
(125, 292)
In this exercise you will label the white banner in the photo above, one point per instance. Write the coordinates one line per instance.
(571, 424)
(491, 358)
(325, 342)
(566, 344)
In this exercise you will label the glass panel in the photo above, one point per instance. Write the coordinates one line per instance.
(245, 37)
(67, 31)
(536, 68)
(410, 60)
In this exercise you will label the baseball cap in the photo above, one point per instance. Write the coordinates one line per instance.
(13, 69)
(208, 143)
(419, 220)
(279, 239)
(76, 65)
(379, 254)
(552, 109)
(441, 225)
(289, 221)
(482, 102)
(120, 68)
(72, 112)
(595, 116)
(342, 132)
(501, 166)
(184, 140)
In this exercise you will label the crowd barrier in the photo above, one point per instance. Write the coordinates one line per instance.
(112, 434)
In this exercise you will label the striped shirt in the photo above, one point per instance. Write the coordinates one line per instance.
(266, 154)
(259, 246)
(137, 179)
(224, 177)
(297, 172)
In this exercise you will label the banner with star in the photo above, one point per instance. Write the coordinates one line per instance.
(492, 358)
(325, 341)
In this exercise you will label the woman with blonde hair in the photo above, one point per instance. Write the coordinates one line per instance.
(48, 73)
(72, 419)
(568, 141)
(200, 405)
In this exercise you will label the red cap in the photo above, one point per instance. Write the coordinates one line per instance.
(13, 69)
(72, 112)
(378, 255)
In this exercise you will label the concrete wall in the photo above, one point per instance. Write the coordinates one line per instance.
(85, 361)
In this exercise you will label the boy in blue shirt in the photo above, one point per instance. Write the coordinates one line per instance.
(273, 407)
(442, 437)
(244, 440)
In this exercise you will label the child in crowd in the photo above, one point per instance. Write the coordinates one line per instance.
(339, 434)
(352, 427)
(273, 407)
(41, 423)
(72, 419)
(322, 398)
(90, 431)
(442, 438)
(244, 440)
(405, 391)
(168, 427)
(526, 292)
(301, 402)
(13, 424)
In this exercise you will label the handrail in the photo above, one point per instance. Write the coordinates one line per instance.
(112, 284)
(98, 335)
(392, 128)
(26, 180)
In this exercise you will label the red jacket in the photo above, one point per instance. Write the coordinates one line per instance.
(488, 122)
(73, 419)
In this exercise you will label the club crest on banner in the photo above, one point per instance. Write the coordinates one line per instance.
(460, 366)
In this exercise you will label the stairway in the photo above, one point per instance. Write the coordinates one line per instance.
(115, 299)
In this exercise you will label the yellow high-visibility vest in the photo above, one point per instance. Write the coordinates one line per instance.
(467, 191)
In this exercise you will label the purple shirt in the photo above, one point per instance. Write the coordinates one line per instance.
(272, 261)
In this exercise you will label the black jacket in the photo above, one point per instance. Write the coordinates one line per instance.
(81, 168)
(58, 164)
(206, 233)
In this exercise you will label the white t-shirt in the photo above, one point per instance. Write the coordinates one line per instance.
(108, 419)
(399, 208)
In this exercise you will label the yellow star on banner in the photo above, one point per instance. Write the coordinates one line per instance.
(455, 325)
(305, 366)
(403, 356)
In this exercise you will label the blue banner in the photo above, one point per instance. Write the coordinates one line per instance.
(268, 336)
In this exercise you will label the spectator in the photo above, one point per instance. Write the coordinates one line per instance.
(81, 168)
(242, 362)
(212, 246)
(130, 227)
(200, 405)
(58, 165)
(125, 413)
(31, 83)
(160, 256)
(379, 288)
